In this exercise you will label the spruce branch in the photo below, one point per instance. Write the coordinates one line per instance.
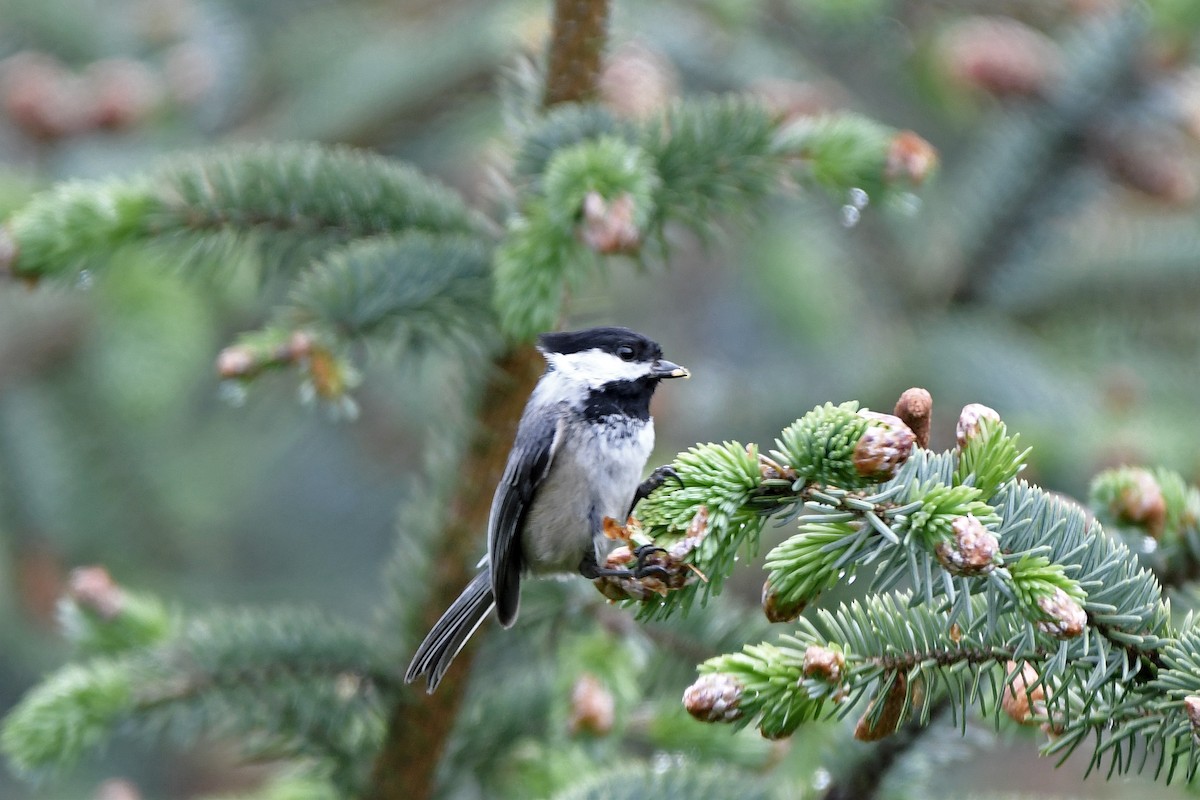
(289, 683)
(1158, 513)
(588, 184)
(712, 156)
(409, 294)
(1032, 157)
(283, 197)
(100, 617)
(595, 197)
(558, 128)
(415, 290)
(1011, 585)
(843, 151)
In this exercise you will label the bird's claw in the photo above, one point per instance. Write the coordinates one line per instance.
(649, 570)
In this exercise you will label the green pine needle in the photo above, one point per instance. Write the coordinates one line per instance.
(69, 713)
(931, 523)
(284, 196)
(290, 683)
(714, 156)
(141, 621)
(561, 127)
(820, 445)
(840, 152)
(990, 458)
(723, 478)
(415, 290)
(804, 565)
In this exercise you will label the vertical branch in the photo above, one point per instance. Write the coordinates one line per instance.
(577, 43)
(420, 725)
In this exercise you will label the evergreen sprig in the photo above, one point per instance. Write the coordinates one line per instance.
(141, 620)
(722, 478)
(588, 183)
(739, 490)
(713, 156)
(561, 127)
(1158, 512)
(290, 683)
(839, 152)
(989, 458)
(1009, 581)
(820, 446)
(282, 196)
(414, 290)
(544, 254)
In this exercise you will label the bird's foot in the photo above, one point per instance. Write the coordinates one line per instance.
(646, 571)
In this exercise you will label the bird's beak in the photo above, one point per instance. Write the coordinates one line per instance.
(666, 369)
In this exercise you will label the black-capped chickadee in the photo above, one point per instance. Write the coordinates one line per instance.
(578, 457)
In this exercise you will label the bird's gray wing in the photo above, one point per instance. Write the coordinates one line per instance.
(528, 464)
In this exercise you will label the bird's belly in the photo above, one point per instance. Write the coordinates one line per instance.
(588, 483)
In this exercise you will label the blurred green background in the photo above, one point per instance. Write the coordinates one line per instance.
(1051, 270)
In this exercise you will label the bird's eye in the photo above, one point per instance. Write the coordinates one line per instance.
(625, 352)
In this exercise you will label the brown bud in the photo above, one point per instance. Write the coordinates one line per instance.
(714, 697)
(592, 707)
(1191, 705)
(618, 558)
(915, 409)
(609, 226)
(1018, 700)
(824, 663)
(969, 422)
(236, 361)
(771, 470)
(299, 345)
(971, 552)
(637, 82)
(893, 709)
(1151, 162)
(1141, 502)
(93, 589)
(775, 609)
(8, 252)
(117, 789)
(328, 375)
(696, 531)
(1067, 618)
(42, 97)
(123, 92)
(884, 446)
(909, 158)
(999, 56)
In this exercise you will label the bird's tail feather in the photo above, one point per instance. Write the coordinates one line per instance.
(452, 631)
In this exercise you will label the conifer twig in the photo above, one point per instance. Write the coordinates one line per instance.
(576, 45)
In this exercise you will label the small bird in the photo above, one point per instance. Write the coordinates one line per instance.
(578, 457)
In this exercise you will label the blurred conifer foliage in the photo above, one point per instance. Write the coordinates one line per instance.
(327, 255)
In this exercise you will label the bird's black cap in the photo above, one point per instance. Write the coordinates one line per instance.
(608, 340)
